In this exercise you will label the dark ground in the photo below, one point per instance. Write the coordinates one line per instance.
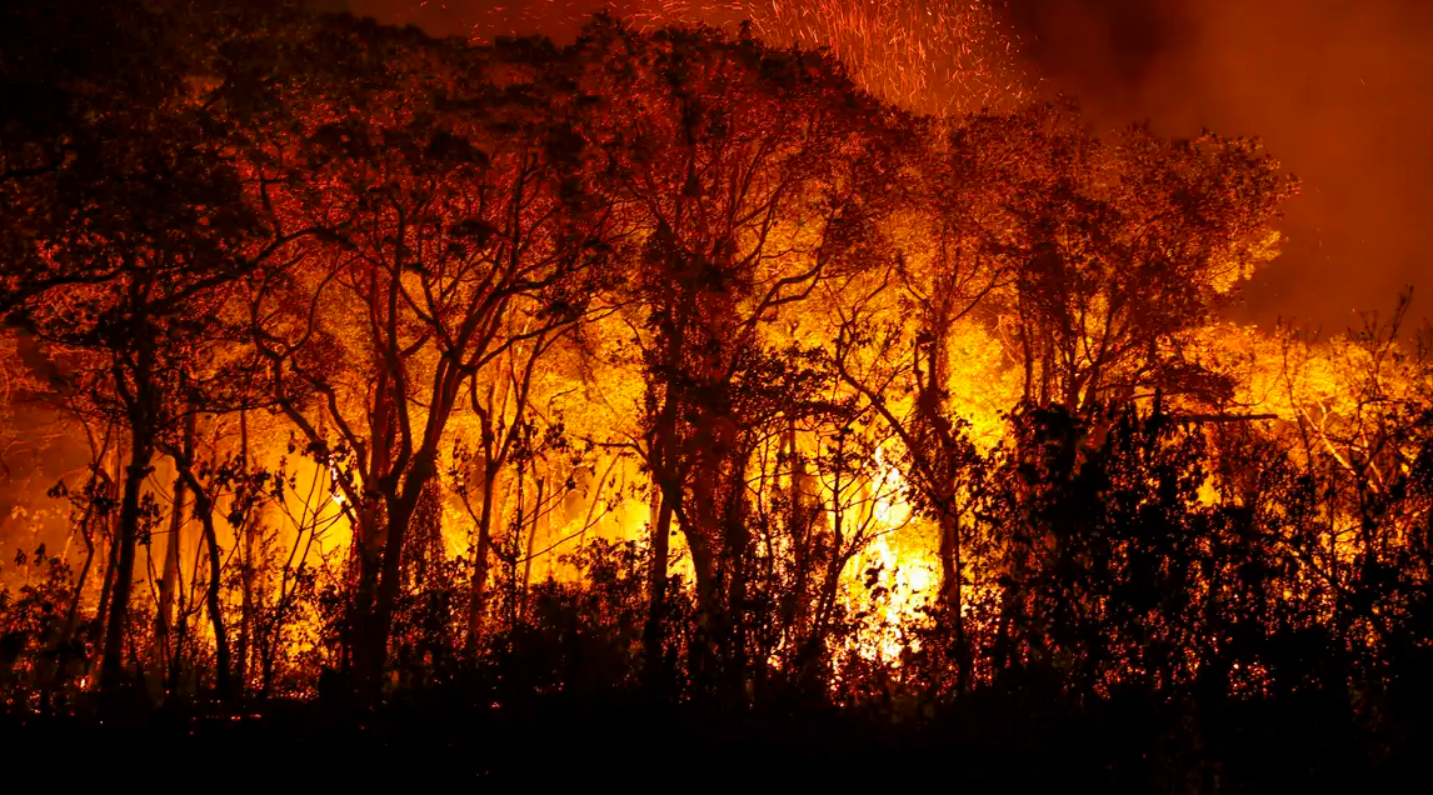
(444, 740)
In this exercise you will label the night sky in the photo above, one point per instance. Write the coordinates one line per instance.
(1338, 90)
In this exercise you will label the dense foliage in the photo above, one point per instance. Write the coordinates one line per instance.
(669, 368)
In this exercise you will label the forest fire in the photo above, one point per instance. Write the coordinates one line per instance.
(346, 365)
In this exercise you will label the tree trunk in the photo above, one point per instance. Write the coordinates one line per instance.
(112, 668)
(540, 521)
(244, 652)
(952, 587)
(400, 511)
(67, 632)
(942, 440)
(477, 597)
(106, 586)
(169, 580)
(654, 633)
(204, 506)
(204, 510)
(668, 493)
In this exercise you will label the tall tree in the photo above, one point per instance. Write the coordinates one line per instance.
(1119, 250)
(456, 229)
(128, 216)
(751, 172)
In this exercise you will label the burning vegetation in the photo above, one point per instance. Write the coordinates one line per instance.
(344, 361)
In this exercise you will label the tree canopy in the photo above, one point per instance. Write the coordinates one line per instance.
(667, 361)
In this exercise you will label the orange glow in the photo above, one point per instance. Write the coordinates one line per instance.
(689, 349)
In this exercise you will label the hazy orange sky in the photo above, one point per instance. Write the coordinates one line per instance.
(1340, 90)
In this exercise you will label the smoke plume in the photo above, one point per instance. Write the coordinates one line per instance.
(1337, 91)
